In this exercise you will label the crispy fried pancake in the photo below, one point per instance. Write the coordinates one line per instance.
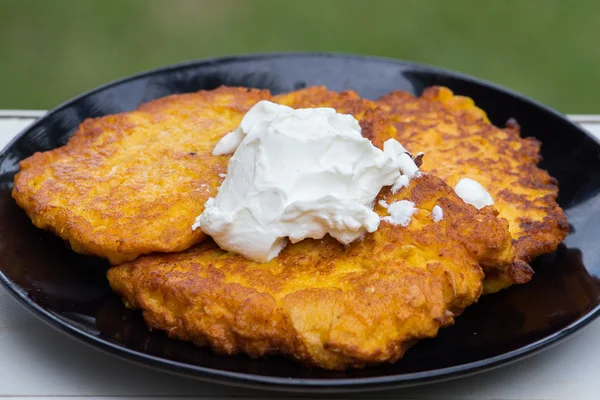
(133, 183)
(459, 142)
(319, 302)
(377, 125)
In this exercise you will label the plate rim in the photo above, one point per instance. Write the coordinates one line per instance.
(281, 383)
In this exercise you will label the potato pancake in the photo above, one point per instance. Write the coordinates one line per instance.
(133, 183)
(320, 302)
(459, 142)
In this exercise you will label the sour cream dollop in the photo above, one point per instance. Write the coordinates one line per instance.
(299, 174)
(473, 193)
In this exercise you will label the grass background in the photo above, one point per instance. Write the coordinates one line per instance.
(51, 50)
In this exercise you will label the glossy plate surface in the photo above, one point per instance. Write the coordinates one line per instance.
(71, 293)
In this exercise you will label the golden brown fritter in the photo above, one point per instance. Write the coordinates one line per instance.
(378, 125)
(133, 183)
(459, 142)
(320, 302)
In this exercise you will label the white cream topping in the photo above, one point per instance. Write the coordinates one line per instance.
(473, 193)
(299, 174)
(400, 212)
(437, 214)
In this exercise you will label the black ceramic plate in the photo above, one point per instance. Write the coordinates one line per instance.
(70, 291)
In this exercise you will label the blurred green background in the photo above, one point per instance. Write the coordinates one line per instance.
(51, 50)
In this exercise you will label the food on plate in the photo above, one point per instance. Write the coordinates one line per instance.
(460, 142)
(323, 303)
(132, 183)
(380, 254)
